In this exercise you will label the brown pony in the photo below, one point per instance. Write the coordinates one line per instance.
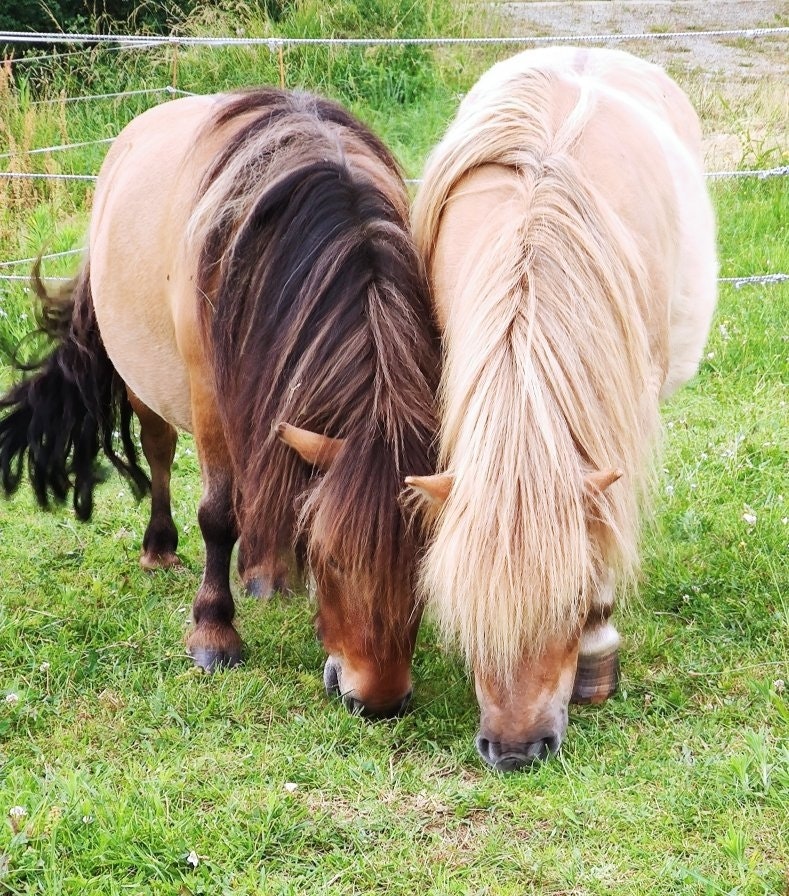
(571, 243)
(250, 278)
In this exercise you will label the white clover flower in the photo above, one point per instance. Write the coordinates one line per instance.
(17, 815)
(44, 667)
(291, 787)
(749, 518)
(779, 685)
(12, 699)
(193, 859)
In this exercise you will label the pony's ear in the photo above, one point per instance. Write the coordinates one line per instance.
(312, 447)
(599, 480)
(435, 488)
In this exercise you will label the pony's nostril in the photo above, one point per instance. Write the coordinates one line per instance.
(354, 705)
(553, 743)
(402, 706)
(537, 752)
(331, 677)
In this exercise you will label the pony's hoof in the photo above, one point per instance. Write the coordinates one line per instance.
(596, 677)
(209, 660)
(150, 560)
(216, 649)
(265, 586)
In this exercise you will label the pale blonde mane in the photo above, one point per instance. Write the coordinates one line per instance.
(547, 377)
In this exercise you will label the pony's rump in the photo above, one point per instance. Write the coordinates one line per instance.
(70, 407)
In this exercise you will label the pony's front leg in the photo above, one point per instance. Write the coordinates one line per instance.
(597, 672)
(214, 641)
(158, 439)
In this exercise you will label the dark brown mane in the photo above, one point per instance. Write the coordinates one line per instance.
(318, 314)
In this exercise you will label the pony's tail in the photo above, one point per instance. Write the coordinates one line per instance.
(71, 406)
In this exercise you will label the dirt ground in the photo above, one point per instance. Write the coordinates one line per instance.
(739, 84)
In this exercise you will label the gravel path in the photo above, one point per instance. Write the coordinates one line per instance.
(740, 84)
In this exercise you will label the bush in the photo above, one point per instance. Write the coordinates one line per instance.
(75, 15)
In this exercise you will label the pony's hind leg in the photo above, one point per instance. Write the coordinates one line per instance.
(158, 440)
(597, 673)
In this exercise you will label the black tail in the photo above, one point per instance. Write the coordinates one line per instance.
(71, 406)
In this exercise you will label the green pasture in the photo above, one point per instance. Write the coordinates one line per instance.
(123, 770)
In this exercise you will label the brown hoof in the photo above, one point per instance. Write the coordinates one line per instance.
(149, 560)
(596, 677)
(214, 647)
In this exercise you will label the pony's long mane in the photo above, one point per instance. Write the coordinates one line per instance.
(545, 379)
(317, 314)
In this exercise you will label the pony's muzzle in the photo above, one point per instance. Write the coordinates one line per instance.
(504, 757)
(340, 686)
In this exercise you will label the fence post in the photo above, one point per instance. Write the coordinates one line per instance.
(174, 66)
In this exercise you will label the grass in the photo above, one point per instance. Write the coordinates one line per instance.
(137, 774)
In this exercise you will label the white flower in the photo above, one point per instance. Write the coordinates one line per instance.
(12, 699)
(17, 815)
(44, 667)
(291, 787)
(193, 859)
(87, 819)
(750, 518)
(779, 685)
